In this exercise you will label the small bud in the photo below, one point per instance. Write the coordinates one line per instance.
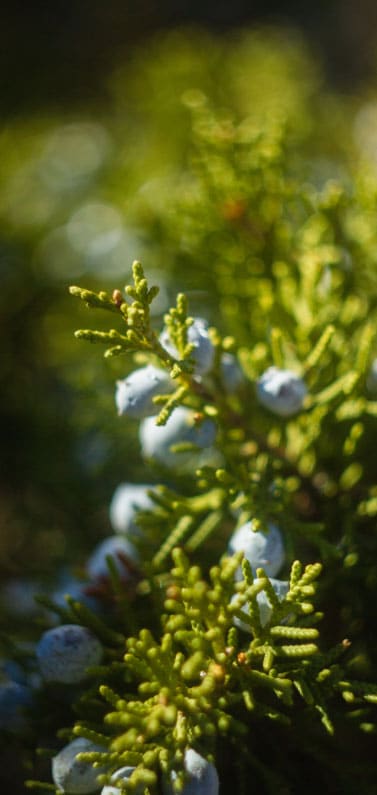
(217, 672)
(173, 592)
(233, 209)
(117, 297)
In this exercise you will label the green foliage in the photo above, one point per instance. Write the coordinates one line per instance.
(261, 208)
(190, 676)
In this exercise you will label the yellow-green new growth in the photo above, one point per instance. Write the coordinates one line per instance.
(202, 678)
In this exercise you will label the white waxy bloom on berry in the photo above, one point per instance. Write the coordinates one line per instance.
(202, 776)
(157, 440)
(13, 671)
(72, 776)
(203, 351)
(134, 394)
(128, 499)
(14, 697)
(281, 588)
(119, 549)
(65, 653)
(123, 774)
(262, 549)
(281, 391)
(231, 373)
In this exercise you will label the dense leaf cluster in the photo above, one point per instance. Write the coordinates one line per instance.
(265, 219)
